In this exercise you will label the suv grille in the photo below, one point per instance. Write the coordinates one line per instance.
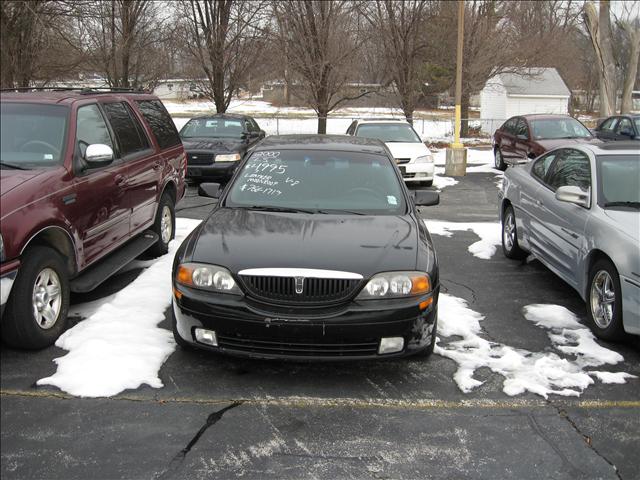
(315, 290)
(199, 158)
(400, 161)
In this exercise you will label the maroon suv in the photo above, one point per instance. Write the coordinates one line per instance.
(522, 138)
(88, 182)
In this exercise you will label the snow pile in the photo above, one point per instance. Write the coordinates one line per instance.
(490, 234)
(523, 371)
(120, 345)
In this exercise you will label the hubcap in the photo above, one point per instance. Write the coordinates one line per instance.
(166, 225)
(509, 231)
(603, 299)
(47, 298)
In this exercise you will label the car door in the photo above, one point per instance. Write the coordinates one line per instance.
(605, 130)
(144, 164)
(98, 208)
(522, 141)
(507, 140)
(254, 132)
(624, 129)
(559, 229)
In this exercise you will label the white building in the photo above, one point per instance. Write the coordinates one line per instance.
(536, 90)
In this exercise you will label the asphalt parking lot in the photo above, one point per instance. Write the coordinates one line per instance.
(219, 417)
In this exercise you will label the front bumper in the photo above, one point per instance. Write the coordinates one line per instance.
(417, 172)
(215, 170)
(8, 274)
(349, 332)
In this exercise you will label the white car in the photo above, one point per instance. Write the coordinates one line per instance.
(410, 153)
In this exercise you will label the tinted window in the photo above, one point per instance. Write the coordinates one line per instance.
(570, 168)
(608, 124)
(389, 132)
(521, 128)
(251, 125)
(624, 124)
(126, 128)
(637, 122)
(213, 127)
(510, 125)
(91, 129)
(541, 166)
(565, 127)
(160, 122)
(319, 180)
(618, 180)
(32, 135)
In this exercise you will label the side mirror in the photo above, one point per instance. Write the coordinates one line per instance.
(425, 198)
(573, 194)
(98, 155)
(211, 190)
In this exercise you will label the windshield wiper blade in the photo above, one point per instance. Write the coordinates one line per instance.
(12, 165)
(622, 204)
(339, 210)
(273, 208)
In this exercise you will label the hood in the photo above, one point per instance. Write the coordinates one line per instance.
(240, 239)
(217, 145)
(626, 220)
(552, 143)
(10, 179)
(408, 150)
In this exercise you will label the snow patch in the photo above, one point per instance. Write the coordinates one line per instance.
(490, 234)
(120, 346)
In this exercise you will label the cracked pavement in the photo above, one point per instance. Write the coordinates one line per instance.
(220, 417)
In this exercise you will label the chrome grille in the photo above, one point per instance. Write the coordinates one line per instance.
(199, 158)
(283, 289)
(402, 160)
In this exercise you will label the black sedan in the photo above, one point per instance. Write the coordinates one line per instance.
(619, 127)
(215, 143)
(314, 250)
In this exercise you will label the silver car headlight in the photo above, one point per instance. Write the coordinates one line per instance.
(229, 157)
(207, 277)
(396, 285)
(424, 159)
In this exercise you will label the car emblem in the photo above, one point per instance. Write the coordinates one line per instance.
(299, 285)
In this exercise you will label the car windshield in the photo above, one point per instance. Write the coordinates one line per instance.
(551, 128)
(213, 128)
(389, 132)
(318, 181)
(619, 181)
(32, 135)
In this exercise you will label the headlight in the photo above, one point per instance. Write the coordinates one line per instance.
(395, 285)
(2, 254)
(207, 277)
(424, 159)
(230, 157)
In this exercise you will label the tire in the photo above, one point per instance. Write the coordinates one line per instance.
(164, 225)
(510, 246)
(604, 311)
(182, 343)
(35, 316)
(498, 160)
(426, 353)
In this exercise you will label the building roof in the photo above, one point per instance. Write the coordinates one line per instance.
(535, 82)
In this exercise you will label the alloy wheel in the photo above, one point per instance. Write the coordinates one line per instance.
(47, 298)
(603, 297)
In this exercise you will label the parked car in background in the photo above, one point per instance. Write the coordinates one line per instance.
(407, 148)
(316, 250)
(525, 137)
(577, 209)
(619, 127)
(215, 144)
(88, 181)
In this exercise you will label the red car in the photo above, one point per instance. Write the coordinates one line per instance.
(523, 138)
(88, 181)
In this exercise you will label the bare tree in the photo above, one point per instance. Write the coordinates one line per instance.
(321, 39)
(225, 38)
(399, 26)
(629, 24)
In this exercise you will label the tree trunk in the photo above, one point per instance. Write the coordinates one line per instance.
(633, 36)
(322, 119)
(599, 27)
(464, 114)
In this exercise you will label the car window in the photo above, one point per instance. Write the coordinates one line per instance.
(127, 129)
(213, 127)
(608, 125)
(389, 132)
(571, 168)
(160, 123)
(637, 122)
(541, 166)
(510, 125)
(624, 124)
(254, 125)
(319, 180)
(563, 127)
(618, 180)
(91, 128)
(248, 125)
(351, 128)
(521, 128)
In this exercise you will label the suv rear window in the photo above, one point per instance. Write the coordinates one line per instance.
(129, 132)
(160, 122)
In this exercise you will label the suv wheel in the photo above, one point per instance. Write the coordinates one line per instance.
(604, 301)
(510, 245)
(39, 302)
(498, 160)
(164, 226)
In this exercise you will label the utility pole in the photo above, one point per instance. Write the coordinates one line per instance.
(456, 158)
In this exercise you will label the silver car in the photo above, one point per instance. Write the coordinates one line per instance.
(577, 210)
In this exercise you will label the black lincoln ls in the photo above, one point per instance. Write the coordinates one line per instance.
(316, 250)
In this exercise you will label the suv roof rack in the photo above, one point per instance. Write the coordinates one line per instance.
(81, 90)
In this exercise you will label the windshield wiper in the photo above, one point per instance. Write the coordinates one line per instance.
(272, 208)
(622, 204)
(12, 165)
(339, 210)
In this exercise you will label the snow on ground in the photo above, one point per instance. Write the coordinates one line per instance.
(490, 234)
(119, 346)
(542, 373)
